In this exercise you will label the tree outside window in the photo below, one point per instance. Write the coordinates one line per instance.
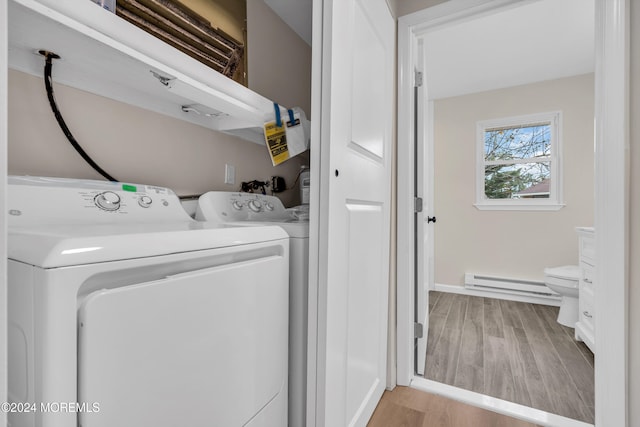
(519, 162)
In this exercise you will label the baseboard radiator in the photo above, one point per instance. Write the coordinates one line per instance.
(478, 282)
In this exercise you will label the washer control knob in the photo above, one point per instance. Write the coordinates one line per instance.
(268, 206)
(109, 201)
(255, 205)
(145, 201)
(237, 205)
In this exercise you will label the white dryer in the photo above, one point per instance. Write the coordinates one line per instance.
(123, 311)
(251, 209)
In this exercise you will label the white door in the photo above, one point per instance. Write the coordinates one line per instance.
(352, 274)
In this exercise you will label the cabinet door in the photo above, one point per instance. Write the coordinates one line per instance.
(353, 264)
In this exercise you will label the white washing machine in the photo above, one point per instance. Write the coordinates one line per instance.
(124, 311)
(258, 209)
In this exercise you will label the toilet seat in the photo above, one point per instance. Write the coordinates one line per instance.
(564, 281)
(566, 276)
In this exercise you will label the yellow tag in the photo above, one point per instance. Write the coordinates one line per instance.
(276, 139)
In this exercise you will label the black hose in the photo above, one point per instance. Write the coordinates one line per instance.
(65, 129)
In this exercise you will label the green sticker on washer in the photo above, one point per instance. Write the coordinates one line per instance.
(128, 187)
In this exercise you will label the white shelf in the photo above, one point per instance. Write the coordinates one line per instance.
(105, 55)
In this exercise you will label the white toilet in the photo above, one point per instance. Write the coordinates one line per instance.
(564, 280)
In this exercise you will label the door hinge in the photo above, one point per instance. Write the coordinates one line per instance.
(418, 330)
(417, 205)
(418, 79)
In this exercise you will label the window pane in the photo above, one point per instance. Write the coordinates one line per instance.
(520, 181)
(524, 142)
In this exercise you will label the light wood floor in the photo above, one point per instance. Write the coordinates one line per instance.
(406, 407)
(510, 350)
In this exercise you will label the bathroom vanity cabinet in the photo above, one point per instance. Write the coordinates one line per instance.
(586, 318)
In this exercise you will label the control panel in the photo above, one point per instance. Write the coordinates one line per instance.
(255, 205)
(39, 200)
(222, 206)
(112, 201)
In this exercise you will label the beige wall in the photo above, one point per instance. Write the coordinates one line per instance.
(279, 60)
(227, 15)
(512, 244)
(130, 143)
(634, 226)
(140, 146)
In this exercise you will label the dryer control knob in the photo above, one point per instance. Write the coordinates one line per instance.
(237, 205)
(145, 201)
(255, 205)
(268, 206)
(109, 201)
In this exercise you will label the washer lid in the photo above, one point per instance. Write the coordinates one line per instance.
(68, 245)
(295, 229)
(571, 272)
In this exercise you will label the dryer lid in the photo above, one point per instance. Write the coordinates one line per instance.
(61, 246)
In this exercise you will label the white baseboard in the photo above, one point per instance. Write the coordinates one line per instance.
(494, 404)
(455, 289)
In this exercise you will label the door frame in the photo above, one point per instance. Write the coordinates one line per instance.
(322, 176)
(317, 217)
(611, 209)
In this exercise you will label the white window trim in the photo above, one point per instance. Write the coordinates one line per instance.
(555, 200)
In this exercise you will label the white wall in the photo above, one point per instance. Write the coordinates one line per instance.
(510, 243)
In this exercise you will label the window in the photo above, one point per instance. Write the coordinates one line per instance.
(518, 163)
